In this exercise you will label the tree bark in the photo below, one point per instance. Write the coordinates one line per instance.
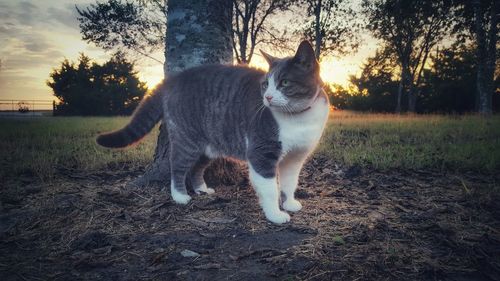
(198, 32)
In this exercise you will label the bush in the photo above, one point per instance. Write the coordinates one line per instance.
(88, 88)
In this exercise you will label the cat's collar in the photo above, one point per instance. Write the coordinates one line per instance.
(310, 106)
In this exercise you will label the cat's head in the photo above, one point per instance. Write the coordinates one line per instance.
(292, 84)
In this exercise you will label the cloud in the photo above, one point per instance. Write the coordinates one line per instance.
(34, 36)
(27, 33)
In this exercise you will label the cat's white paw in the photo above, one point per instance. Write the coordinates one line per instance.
(278, 217)
(204, 189)
(180, 198)
(292, 205)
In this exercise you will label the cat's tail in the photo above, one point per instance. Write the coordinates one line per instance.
(145, 117)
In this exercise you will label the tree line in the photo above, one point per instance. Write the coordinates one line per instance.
(447, 85)
(410, 71)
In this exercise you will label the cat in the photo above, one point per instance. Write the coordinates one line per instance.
(272, 120)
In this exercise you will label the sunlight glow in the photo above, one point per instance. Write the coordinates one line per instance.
(332, 70)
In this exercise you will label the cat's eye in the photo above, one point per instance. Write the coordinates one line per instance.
(284, 83)
(264, 85)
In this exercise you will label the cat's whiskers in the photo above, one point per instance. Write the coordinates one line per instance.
(258, 112)
(288, 109)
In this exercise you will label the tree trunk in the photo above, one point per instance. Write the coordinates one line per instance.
(486, 57)
(403, 83)
(198, 32)
(412, 98)
(400, 94)
(317, 29)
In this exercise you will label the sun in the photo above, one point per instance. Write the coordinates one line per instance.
(331, 70)
(336, 71)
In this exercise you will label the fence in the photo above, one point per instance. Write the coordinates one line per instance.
(27, 107)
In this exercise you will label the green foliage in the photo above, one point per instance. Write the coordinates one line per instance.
(124, 25)
(86, 88)
(450, 86)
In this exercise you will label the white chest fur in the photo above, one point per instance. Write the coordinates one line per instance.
(301, 132)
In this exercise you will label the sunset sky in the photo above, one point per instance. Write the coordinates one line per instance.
(36, 36)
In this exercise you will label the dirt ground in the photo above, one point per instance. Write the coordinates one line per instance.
(356, 224)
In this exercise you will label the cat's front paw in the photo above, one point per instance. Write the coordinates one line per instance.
(278, 217)
(204, 189)
(180, 198)
(292, 205)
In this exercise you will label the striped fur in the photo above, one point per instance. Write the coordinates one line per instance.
(145, 117)
(270, 120)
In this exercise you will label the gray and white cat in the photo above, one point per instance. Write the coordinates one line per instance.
(271, 120)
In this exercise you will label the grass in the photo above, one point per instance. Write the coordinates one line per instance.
(384, 141)
(41, 146)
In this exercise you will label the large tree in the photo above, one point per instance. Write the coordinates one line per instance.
(199, 32)
(410, 28)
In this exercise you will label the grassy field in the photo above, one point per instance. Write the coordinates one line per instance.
(386, 141)
(41, 146)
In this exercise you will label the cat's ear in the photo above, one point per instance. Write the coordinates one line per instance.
(305, 56)
(270, 59)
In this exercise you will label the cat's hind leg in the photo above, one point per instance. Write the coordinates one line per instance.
(182, 159)
(197, 179)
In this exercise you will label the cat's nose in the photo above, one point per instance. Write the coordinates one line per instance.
(269, 98)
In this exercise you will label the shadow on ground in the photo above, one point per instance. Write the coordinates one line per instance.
(356, 224)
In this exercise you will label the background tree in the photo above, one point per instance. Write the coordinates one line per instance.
(375, 89)
(331, 25)
(87, 88)
(448, 83)
(449, 86)
(250, 28)
(477, 20)
(410, 29)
